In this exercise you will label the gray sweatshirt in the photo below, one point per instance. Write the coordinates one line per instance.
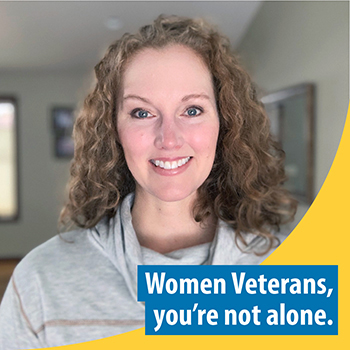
(81, 285)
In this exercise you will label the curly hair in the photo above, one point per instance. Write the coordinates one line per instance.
(244, 188)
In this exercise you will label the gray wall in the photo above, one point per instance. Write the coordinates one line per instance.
(296, 42)
(42, 176)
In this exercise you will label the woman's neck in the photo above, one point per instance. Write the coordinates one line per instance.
(168, 226)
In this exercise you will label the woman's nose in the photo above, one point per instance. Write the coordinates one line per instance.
(168, 135)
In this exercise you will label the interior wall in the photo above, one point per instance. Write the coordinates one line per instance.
(42, 177)
(290, 43)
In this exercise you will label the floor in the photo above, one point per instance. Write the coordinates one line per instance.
(6, 268)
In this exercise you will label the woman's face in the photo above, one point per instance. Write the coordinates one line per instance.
(167, 122)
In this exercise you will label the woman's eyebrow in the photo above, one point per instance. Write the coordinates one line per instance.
(137, 98)
(184, 99)
(188, 97)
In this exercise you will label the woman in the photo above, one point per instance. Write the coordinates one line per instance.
(174, 164)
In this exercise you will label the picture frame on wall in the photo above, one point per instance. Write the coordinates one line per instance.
(62, 125)
(291, 114)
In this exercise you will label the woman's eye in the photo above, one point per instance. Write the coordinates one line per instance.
(194, 111)
(140, 113)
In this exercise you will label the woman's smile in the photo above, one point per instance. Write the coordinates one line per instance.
(169, 163)
(170, 166)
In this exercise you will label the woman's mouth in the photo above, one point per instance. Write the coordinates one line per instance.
(167, 165)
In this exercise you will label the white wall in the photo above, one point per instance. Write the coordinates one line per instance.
(42, 176)
(296, 42)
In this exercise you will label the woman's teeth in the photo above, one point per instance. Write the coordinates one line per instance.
(170, 165)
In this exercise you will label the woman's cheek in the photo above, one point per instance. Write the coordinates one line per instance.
(131, 137)
(205, 138)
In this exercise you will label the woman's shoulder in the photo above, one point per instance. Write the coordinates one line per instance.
(46, 267)
(59, 252)
(230, 250)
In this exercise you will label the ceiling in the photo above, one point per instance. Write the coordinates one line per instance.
(72, 36)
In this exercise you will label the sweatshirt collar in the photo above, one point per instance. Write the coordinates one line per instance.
(117, 238)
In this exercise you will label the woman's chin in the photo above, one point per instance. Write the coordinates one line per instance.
(173, 195)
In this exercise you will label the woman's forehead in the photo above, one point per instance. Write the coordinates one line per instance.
(167, 70)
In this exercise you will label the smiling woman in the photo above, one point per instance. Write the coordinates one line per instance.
(168, 127)
(173, 164)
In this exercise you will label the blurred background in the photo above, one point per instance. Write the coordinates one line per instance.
(47, 54)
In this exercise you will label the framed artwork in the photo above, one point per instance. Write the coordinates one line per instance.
(62, 125)
(291, 112)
